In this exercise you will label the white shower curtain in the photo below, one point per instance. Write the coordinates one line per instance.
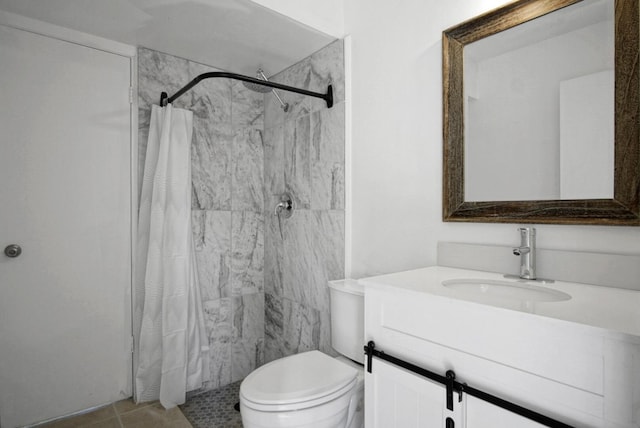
(172, 346)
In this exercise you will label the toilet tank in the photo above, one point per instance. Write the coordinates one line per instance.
(347, 318)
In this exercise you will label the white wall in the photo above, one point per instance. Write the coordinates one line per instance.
(397, 143)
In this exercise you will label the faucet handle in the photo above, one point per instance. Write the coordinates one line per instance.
(527, 236)
(527, 252)
(527, 230)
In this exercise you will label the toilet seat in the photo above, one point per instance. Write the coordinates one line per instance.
(297, 382)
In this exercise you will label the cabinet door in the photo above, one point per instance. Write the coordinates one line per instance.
(480, 414)
(396, 398)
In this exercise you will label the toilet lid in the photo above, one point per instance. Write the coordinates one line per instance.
(297, 378)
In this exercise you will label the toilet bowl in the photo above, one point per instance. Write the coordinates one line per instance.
(304, 390)
(312, 389)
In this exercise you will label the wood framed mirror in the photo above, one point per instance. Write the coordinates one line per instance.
(619, 206)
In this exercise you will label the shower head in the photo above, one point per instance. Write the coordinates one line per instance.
(255, 87)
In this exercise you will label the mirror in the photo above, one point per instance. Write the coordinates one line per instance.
(555, 71)
(541, 114)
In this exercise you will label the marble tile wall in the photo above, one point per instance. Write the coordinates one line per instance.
(227, 204)
(304, 155)
(264, 287)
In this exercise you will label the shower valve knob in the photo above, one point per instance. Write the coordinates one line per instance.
(285, 207)
(12, 250)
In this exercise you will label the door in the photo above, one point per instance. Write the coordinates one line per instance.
(65, 301)
(480, 414)
(396, 398)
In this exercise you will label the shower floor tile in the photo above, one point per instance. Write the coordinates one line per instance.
(214, 409)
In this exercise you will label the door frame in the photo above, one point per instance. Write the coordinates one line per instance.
(110, 46)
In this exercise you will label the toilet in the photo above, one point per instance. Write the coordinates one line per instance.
(312, 389)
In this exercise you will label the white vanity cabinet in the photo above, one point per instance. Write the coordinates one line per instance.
(581, 374)
(399, 398)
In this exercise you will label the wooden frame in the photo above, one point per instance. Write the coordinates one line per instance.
(624, 208)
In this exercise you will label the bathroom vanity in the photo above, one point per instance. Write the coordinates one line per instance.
(565, 350)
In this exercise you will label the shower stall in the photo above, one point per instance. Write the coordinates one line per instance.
(263, 284)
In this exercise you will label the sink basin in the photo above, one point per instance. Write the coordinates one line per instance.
(486, 289)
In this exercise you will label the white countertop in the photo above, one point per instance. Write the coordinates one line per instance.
(613, 309)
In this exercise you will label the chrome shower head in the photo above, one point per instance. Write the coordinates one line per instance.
(255, 87)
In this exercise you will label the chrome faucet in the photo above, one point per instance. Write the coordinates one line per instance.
(527, 252)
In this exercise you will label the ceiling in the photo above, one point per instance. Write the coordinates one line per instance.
(232, 35)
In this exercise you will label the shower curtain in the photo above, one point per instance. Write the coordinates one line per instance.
(172, 346)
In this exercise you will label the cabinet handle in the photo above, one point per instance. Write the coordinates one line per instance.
(450, 384)
(450, 423)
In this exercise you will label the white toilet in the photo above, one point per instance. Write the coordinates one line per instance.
(312, 389)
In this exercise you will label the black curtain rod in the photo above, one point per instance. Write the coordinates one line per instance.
(165, 98)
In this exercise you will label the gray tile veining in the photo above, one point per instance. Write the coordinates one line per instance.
(301, 327)
(291, 327)
(324, 344)
(304, 155)
(212, 241)
(297, 166)
(313, 255)
(273, 327)
(264, 284)
(298, 76)
(304, 323)
(247, 174)
(248, 327)
(299, 265)
(227, 204)
(273, 255)
(247, 257)
(247, 108)
(327, 68)
(327, 158)
(210, 100)
(218, 321)
(329, 244)
(273, 162)
(211, 166)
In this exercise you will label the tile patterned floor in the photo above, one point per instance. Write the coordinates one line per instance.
(126, 414)
(214, 409)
